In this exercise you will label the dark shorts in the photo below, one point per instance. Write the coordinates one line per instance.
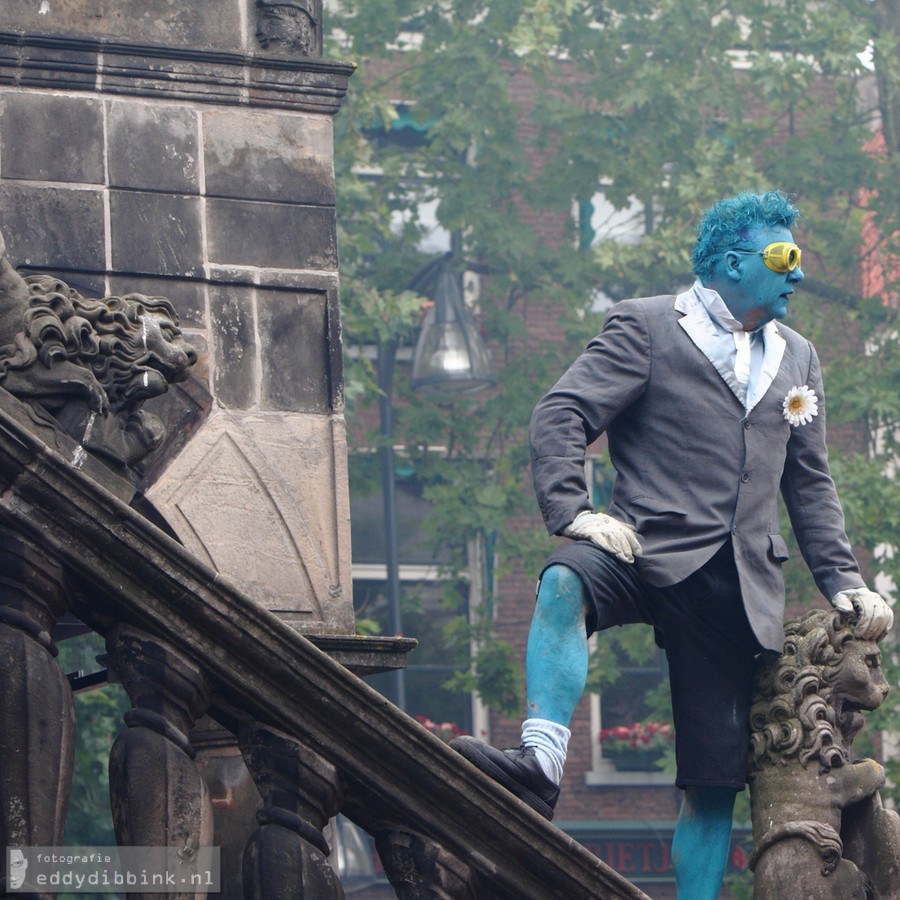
(711, 650)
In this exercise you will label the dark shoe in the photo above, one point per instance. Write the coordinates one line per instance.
(517, 770)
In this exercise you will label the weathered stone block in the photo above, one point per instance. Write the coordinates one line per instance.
(53, 228)
(314, 88)
(188, 297)
(271, 235)
(293, 330)
(155, 234)
(60, 65)
(231, 312)
(70, 143)
(257, 498)
(153, 147)
(148, 71)
(86, 284)
(183, 410)
(270, 156)
(156, 21)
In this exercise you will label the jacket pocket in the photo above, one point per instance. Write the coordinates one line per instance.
(777, 547)
(659, 507)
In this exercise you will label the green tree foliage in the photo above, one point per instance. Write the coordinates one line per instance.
(98, 721)
(514, 112)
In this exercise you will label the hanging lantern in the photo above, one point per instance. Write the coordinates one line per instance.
(450, 355)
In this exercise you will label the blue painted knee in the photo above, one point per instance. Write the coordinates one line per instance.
(561, 596)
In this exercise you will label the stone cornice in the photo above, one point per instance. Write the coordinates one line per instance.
(103, 66)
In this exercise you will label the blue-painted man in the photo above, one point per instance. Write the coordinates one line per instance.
(710, 409)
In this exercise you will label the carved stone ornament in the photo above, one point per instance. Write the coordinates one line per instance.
(87, 366)
(819, 828)
(285, 857)
(419, 867)
(289, 26)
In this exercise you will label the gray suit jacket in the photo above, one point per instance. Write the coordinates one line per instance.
(693, 466)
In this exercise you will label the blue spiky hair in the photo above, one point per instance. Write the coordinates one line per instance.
(729, 222)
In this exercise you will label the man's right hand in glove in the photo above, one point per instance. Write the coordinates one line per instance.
(874, 617)
(606, 532)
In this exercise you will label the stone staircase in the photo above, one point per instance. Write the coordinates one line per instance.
(188, 645)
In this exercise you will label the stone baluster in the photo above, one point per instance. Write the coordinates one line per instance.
(158, 797)
(286, 857)
(420, 868)
(37, 718)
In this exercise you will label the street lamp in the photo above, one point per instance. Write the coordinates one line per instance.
(451, 358)
(450, 355)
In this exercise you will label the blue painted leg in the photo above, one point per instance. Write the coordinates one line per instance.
(557, 655)
(556, 664)
(702, 840)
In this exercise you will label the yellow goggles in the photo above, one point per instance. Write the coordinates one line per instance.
(782, 256)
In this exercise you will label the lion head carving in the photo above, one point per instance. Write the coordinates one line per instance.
(92, 364)
(132, 343)
(808, 701)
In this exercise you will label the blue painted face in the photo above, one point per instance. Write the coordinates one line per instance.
(757, 294)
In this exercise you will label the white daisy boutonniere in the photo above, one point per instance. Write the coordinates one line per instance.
(800, 405)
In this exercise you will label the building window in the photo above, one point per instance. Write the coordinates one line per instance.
(430, 611)
(415, 204)
(600, 220)
(434, 607)
(628, 754)
(622, 720)
(430, 236)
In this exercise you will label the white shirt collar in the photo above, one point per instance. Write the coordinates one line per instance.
(716, 307)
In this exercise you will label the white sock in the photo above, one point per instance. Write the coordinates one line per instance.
(550, 740)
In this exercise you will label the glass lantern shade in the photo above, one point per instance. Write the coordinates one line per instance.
(450, 355)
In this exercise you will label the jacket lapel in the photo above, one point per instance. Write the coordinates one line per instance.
(702, 332)
(699, 328)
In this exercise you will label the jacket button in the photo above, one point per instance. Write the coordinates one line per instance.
(746, 423)
(745, 477)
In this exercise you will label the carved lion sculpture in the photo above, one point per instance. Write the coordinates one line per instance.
(819, 827)
(90, 364)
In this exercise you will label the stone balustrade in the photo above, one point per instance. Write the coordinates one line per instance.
(316, 738)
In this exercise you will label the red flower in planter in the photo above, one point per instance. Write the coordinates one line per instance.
(640, 736)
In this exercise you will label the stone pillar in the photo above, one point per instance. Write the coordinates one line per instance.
(158, 796)
(37, 719)
(286, 857)
(420, 869)
(185, 150)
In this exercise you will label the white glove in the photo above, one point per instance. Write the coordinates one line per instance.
(875, 617)
(612, 535)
